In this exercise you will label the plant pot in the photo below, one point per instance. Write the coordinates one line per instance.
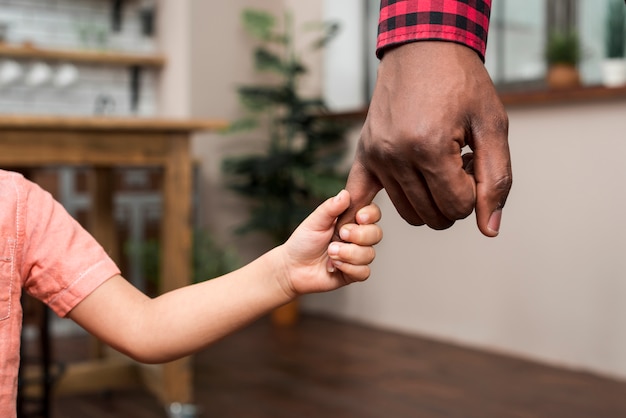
(286, 315)
(563, 76)
(614, 72)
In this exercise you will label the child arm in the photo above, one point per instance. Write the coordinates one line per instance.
(185, 320)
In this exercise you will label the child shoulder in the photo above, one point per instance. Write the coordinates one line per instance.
(10, 175)
(15, 188)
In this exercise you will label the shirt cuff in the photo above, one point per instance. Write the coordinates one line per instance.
(403, 21)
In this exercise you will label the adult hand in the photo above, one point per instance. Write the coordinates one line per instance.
(431, 100)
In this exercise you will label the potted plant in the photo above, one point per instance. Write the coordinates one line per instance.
(299, 167)
(562, 56)
(209, 259)
(614, 64)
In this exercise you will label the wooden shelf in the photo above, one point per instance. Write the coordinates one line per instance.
(108, 124)
(85, 57)
(565, 96)
(546, 97)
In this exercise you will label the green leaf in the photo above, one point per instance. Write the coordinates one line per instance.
(296, 68)
(323, 185)
(563, 48)
(209, 259)
(331, 30)
(260, 97)
(268, 61)
(258, 24)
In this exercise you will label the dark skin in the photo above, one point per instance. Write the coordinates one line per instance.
(432, 101)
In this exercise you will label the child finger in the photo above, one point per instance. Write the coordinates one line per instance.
(351, 253)
(354, 273)
(325, 215)
(369, 214)
(361, 234)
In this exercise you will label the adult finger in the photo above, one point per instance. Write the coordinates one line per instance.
(421, 207)
(363, 187)
(439, 160)
(453, 189)
(400, 199)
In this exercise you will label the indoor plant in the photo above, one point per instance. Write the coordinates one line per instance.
(299, 167)
(209, 259)
(614, 64)
(562, 56)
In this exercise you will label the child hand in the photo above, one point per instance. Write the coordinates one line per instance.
(315, 264)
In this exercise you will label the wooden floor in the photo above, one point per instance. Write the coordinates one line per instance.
(325, 368)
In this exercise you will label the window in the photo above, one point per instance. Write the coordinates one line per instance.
(518, 32)
(516, 39)
(344, 70)
(515, 51)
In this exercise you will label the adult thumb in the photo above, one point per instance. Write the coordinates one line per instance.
(363, 186)
(492, 171)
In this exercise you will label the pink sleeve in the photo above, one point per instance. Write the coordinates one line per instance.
(62, 263)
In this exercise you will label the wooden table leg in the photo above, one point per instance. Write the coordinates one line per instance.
(102, 212)
(176, 254)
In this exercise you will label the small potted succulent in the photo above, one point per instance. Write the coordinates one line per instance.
(562, 55)
(614, 64)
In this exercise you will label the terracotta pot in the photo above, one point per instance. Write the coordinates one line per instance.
(286, 315)
(563, 76)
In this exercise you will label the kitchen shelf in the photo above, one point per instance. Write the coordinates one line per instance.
(84, 57)
(544, 97)
(109, 124)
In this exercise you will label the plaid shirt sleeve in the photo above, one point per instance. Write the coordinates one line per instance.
(462, 21)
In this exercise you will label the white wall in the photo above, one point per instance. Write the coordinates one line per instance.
(175, 43)
(552, 286)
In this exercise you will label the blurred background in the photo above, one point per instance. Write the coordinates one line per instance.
(550, 289)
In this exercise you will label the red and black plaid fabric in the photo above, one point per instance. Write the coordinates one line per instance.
(462, 21)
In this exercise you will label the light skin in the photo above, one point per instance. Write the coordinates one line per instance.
(188, 319)
(431, 100)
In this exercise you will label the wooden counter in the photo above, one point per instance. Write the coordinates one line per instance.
(103, 143)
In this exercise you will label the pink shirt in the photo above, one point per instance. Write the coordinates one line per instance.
(44, 251)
